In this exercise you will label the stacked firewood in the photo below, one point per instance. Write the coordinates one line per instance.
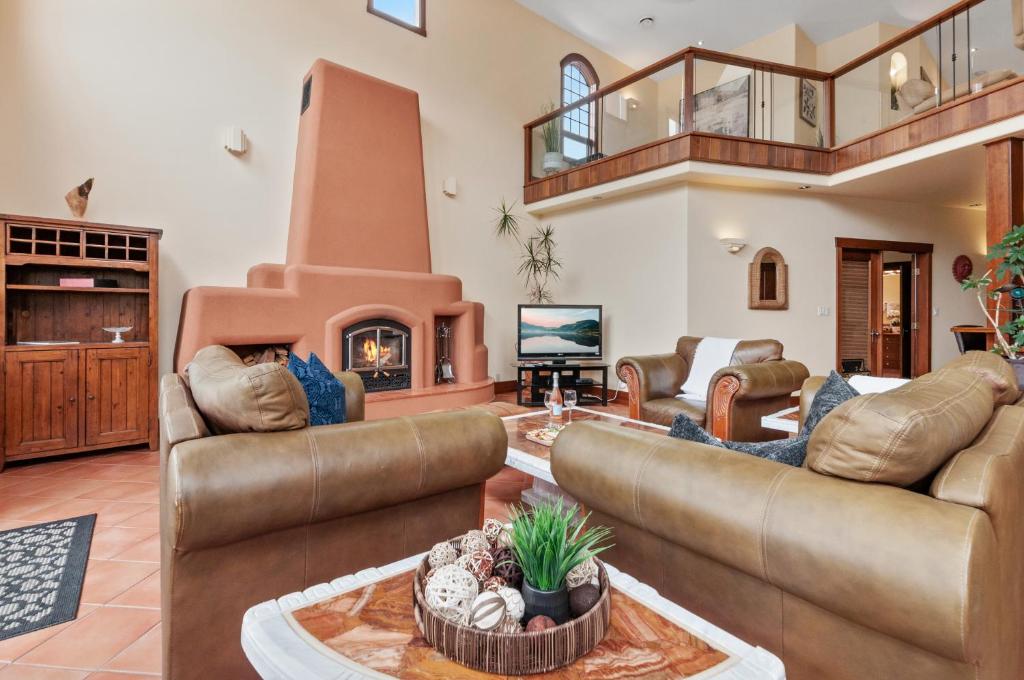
(266, 355)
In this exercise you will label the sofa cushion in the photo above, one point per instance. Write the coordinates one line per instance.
(902, 436)
(915, 91)
(996, 371)
(833, 392)
(664, 411)
(324, 392)
(179, 417)
(234, 397)
(789, 451)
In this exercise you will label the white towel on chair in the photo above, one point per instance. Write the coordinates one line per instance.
(711, 354)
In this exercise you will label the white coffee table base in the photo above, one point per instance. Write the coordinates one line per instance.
(280, 649)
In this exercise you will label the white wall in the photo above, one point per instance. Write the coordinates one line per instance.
(137, 94)
(803, 227)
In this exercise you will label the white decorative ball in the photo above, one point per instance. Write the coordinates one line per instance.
(487, 611)
(441, 554)
(581, 574)
(492, 529)
(474, 540)
(514, 603)
(452, 587)
(504, 539)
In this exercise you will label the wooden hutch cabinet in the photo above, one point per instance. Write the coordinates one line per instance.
(66, 386)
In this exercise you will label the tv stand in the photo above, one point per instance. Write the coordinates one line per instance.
(569, 378)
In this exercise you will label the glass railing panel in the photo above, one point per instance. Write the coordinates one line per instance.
(645, 111)
(993, 55)
(797, 110)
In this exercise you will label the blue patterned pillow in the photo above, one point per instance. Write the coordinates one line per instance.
(789, 451)
(325, 393)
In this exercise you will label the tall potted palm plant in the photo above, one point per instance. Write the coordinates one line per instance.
(1004, 305)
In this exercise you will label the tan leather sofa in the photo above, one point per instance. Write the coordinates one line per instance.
(250, 517)
(758, 382)
(843, 580)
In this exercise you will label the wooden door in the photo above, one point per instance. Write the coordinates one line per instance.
(117, 395)
(41, 404)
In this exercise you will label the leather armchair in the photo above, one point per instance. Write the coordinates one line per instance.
(758, 382)
(841, 579)
(249, 517)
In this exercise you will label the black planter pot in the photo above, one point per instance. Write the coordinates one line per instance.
(1018, 368)
(551, 603)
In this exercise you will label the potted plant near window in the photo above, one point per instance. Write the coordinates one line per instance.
(553, 161)
(1007, 313)
(548, 542)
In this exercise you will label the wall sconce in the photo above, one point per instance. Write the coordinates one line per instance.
(733, 245)
(633, 104)
(897, 77)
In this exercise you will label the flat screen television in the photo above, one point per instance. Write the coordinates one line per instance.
(560, 332)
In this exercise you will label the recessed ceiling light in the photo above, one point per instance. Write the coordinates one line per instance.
(647, 22)
(700, 43)
(596, 198)
(974, 49)
(975, 205)
(804, 187)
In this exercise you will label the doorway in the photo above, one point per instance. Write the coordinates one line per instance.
(883, 307)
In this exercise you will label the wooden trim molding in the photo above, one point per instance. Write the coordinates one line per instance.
(875, 244)
(628, 375)
(723, 396)
(421, 29)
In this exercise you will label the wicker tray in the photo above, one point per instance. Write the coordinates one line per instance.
(512, 654)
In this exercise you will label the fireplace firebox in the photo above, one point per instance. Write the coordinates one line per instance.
(379, 351)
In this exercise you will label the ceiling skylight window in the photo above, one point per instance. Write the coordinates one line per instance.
(411, 14)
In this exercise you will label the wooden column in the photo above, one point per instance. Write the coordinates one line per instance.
(1004, 191)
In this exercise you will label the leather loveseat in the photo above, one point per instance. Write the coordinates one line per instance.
(757, 383)
(842, 578)
(253, 516)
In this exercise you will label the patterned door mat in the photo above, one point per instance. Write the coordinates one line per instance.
(41, 572)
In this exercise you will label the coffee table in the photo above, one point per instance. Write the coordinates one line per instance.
(362, 626)
(535, 459)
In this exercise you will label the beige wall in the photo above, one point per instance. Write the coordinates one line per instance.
(137, 94)
(803, 228)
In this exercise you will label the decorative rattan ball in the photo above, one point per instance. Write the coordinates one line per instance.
(454, 614)
(510, 626)
(540, 622)
(494, 583)
(492, 529)
(441, 554)
(584, 572)
(474, 540)
(481, 564)
(487, 611)
(452, 587)
(505, 566)
(514, 603)
(504, 539)
(583, 599)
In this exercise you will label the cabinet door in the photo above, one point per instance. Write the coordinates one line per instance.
(116, 395)
(41, 409)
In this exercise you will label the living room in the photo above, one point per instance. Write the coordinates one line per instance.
(204, 195)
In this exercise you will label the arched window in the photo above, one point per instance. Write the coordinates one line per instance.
(579, 126)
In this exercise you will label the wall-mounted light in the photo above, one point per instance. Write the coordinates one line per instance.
(632, 103)
(897, 77)
(733, 245)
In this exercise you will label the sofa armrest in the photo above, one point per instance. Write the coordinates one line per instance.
(898, 562)
(808, 392)
(651, 377)
(770, 381)
(220, 490)
(355, 395)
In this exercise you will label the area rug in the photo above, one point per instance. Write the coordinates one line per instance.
(41, 572)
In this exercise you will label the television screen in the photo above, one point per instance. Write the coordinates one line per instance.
(558, 331)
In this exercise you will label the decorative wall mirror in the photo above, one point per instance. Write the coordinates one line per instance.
(769, 280)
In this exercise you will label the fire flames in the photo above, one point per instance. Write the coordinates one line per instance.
(371, 352)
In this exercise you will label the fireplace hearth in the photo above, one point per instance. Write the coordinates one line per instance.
(378, 350)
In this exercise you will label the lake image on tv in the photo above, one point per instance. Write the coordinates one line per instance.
(560, 331)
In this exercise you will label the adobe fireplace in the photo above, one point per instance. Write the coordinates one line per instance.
(376, 311)
(378, 350)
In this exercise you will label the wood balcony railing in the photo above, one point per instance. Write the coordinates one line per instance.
(702, 105)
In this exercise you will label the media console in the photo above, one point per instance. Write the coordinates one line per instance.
(569, 378)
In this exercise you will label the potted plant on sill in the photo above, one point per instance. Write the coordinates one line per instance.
(1010, 335)
(553, 161)
(548, 542)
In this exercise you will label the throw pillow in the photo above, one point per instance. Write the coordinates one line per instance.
(833, 392)
(788, 451)
(325, 392)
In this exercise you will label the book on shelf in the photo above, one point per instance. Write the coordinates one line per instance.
(71, 282)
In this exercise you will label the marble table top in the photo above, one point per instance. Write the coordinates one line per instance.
(362, 626)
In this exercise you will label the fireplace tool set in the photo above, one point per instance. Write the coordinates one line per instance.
(444, 371)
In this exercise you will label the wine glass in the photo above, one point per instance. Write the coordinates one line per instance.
(547, 405)
(570, 401)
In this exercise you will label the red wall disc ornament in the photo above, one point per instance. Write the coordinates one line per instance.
(962, 268)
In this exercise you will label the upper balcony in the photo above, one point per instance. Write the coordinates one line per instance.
(956, 72)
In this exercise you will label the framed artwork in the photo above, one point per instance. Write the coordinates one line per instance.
(808, 103)
(724, 109)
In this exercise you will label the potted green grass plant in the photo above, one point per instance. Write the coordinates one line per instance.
(548, 541)
(1007, 312)
(549, 132)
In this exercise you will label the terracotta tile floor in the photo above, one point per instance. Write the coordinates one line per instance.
(117, 633)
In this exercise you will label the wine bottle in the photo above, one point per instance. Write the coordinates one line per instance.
(556, 399)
